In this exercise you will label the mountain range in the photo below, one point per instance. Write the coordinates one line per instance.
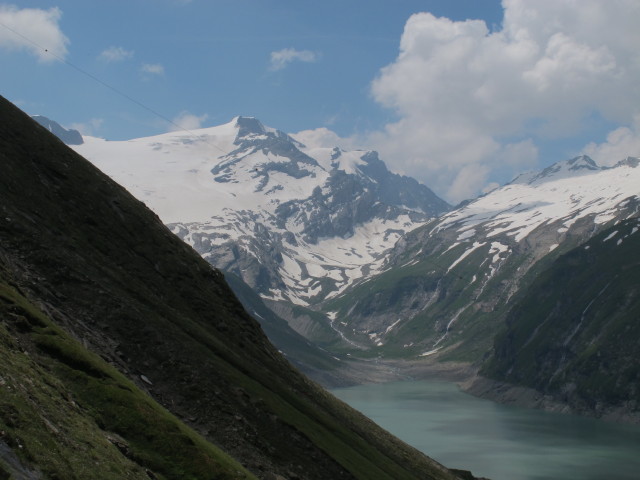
(296, 224)
(125, 355)
(362, 262)
(447, 284)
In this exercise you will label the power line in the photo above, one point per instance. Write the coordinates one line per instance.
(105, 84)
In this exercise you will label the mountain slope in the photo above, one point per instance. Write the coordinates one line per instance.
(307, 357)
(49, 380)
(575, 333)
(297, 224)
(447, 285)
(97, 263)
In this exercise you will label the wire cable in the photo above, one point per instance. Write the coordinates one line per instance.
(105, 84)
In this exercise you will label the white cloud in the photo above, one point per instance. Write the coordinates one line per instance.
(34, 30)
(88, 128)
(325, 138)
(152, 68)
(187, 121)
(282, 58)
(466, 97)
(116, 54)
(621, 143)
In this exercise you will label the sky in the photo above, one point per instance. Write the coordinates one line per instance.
(460, 94)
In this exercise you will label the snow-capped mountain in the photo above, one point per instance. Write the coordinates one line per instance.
(560, 195)
(297, 224)
(448, 283)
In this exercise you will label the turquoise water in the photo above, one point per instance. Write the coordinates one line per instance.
(497, 441)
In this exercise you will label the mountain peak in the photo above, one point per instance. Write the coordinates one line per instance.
(68, 136)
(573, 167)
(582, 161)
(632, 162)
(249, 125)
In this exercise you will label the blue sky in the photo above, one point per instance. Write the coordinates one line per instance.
(461, 94)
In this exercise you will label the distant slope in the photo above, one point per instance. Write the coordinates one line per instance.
(68, 136)
(309, 358)
(447, 286)
(575, 334)
(81, 250)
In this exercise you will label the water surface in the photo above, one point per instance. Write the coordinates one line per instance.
(498, 441)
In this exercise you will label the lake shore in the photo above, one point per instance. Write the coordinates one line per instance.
(465, 375)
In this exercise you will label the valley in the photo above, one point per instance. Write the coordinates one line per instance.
(369, 270)
(123, 349)
(320, 240)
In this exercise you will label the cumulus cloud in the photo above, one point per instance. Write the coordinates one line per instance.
(471, 101)
(621, 143)
(88, 128)
(34, 30)
(282, 58)
(187, 121)
(116, 54)
(324, 138)
(152, 69)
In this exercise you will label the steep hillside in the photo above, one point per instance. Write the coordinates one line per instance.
(65, 411)
(448, 285)
(85, 267)
(575, 334)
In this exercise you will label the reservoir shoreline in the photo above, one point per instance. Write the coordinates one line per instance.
(467, 378)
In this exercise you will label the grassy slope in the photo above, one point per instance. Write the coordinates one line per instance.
(108, 271)
(74, 416)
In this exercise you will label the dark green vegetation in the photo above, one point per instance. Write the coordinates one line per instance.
(107, 319)
(575, 334)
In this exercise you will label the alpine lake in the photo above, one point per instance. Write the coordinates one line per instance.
(497, 441)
